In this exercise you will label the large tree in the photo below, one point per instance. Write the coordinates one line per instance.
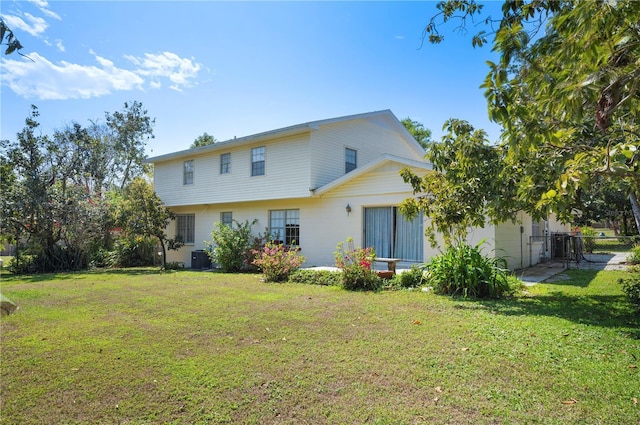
(566, 90)
(418, 131)
(46, 204)
(141, 212)
(130, 129)
(464, 181)
(203, 140)
(52, 196)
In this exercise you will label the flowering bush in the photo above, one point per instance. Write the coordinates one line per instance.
(355, 264)
(277, 261)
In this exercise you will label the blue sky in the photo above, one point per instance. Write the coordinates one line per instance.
(236, 68)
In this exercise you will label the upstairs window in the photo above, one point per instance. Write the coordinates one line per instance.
(185, 227)
(284, 226)
(226, 218)
(187, 175)
(225, 163)
(257, 161)
(350, 159)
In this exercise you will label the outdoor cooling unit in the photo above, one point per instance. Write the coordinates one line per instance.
(200, 260)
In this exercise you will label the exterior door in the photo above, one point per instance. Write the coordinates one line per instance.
(391, 235)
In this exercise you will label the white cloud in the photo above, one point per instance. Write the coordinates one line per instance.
(181, 71)
(45, 80)
(42, 79)
(59, 45)
(44, 8)
(35, 25)
(40, 3)
(51, 14)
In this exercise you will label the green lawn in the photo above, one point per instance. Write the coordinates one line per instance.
(612, 244)
(144, 347)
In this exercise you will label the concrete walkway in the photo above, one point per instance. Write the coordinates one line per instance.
(550, 270)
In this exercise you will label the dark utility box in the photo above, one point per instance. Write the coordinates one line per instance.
(200, 260)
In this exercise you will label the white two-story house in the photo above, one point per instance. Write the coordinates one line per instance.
(312, 184)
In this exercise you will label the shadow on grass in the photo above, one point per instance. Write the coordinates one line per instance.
(84, 274)
(574, 301)
(597, 310)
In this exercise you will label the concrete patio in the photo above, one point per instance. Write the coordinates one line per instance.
(543, 272)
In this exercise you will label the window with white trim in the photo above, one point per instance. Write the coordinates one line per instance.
(226, 218)
(257, 161)
(225, 163)
(284, 226)
(350, 159)
(187, 175)
(185, 227)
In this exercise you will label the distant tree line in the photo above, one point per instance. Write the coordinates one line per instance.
(79, 197)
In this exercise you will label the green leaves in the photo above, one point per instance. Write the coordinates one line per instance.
(232, 246)
(464, 270)
(12, 42)
(571, 93)
(466, 179)
(141, 212)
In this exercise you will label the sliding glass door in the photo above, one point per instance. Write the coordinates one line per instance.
(392, 235)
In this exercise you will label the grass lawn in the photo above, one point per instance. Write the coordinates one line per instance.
(609, 245)
(145, 347)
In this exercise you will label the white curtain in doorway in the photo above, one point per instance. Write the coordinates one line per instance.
(378, 230)
(392, 235)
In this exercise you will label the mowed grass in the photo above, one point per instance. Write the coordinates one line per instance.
(144, 347)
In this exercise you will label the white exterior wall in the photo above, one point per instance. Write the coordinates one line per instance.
(380, 187)
(555, 226)
(323, 223)
(518, 247)
(311, 159)
(514, 245)
(368, 137)
(323, 220)
(286, 175)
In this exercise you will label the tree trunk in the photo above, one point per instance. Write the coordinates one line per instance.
(635, 207)
(164, 253)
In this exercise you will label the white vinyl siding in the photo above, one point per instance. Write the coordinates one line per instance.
(369, 138)
(288, 176)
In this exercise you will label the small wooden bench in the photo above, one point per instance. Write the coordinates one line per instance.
(391, 263)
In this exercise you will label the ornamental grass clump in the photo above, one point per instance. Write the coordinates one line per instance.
(464, 270)
(277, 261)
(355, 264)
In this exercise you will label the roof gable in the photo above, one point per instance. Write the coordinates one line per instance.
(384, 159)
(384, 117)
